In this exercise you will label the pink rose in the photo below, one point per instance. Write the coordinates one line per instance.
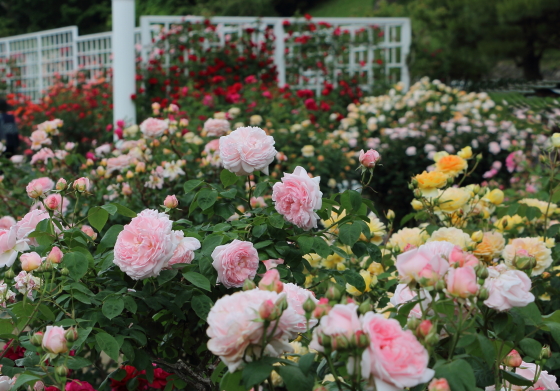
(272, 263)
(460, 258)
(403, 295)
(513, 359)
(55, 256)
(462, 282)
(28, 224)
(296, 297)
(216, 127)
(297, 198)
(271, 281)
(54, 340)
(427, 261)
(171, 202)
(89, 232)
(42, 156)
(145, 245)
(246, 150)
(184, 252)
(78, 385)
(528, 371)
(30, 261)
(39, 186)
(507, 288)
(341, 321)
(60, 208)
(119, 163)
(61, 184)
(369, 159)
(235, 262)
(53, 201)
(7, 222)
(39, 138)
(81, 184)
(257, 202)
(233, 326)
(439, 385)
(10, 246)
(394, 355)
(153, 127)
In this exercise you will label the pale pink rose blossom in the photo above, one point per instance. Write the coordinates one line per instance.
(184, 252)
(37, 187)
(410, 151)
(119, 163)
(145, 245)
(153, 127)
(7, 222)
(28, 224)
(42, 156)
(10, 246)
(514, 160)
(81, 184)
(53, 201)
(342, 320)
(507, 288)
(297, 197)
(427, 261)
(270, 281)
(39, 138)
(216, 127)
(370, 158)
(494, 147)
(89, 231)
(460, 258)
(17, 159)
(394, 355)
(104, 149)
(54, 340)
(246, 150)
(296, 297)
(462, 282)
(235, 262)
(233, 326)
(403, 294)
(55, 255)
(30, 261)
(257, 202)
(272, 263)
(528, 371)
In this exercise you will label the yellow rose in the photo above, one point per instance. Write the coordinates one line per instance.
(508, 223)
(428, 182)
(555, 140)
(496, 196)
(465, 153)
(376, 228)
(451, 165)
(313, 259)
(535, 247)
(452, 235)
(408, 236)
(452, 199)
(368, 279)
(543, 206)
(492, 244)
(439, 155)
(417, 205)
(308, 151)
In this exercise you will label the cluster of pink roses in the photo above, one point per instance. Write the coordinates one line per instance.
(148, 244)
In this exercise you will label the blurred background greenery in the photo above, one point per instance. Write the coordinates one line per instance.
(453, 40)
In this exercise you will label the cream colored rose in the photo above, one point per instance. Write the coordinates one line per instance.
(452, 199)
(408, 236)
(542, 205)
(535, 247)
(491, 246)
(452, 235)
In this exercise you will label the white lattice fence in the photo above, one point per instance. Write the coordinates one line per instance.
(35, 60)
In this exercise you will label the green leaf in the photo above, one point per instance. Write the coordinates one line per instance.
(25, 378)
(201, 305)
(259, 230)
(110, 237)
(351, 200)
(255, 373)
(77, 362)
(305, 243)
(76, 263)
(355, 279)
(321, 247)
(108, 344)
(530, 314)
(232, 382)
(191, 185)
(197, 280)
(227, 178)
(459, 375)
(407, 218)
(306, 362)
(556, 195)
(123, 210)
(531, 347)
(130, 304)
(113, 307)
(261, 188)
(294, 379)
(46, 312)
(349, 233)
(111, 208)
(210, 243)
(516, 379)
(97, 217)
(276, 220)
(207, 198)
(166, 275)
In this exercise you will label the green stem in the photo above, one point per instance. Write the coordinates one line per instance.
(333, 371)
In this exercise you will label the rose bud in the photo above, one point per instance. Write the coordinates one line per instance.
(61, 184)
(36, 339)
(61, 370)
(271, 282)
(424, 328)
(53, 201)
(309, 305)
(55, 256)
(249, 285)
(71, 335)
(30, 261)
(89, 231)
(81, 184)
(369, 159)
(439, 385)
(269, 311)
(54, 340)
(171, 202)
(513, 359)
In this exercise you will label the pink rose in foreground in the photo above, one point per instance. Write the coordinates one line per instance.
(246, 150)
(341, 321)
(235, 262)
(370, 158)
(28, 224)
(78, 385)
(30, 261)
(54, 340)
(428, 261)
(297, 198)
(507, 288)
(232, 327)
(394, 355)
(10, 246)
(296, 297)
(184, 252)
(145, 245)
(55, 256)
(153, 127)
(403, 295)
(53, 201)
(7, 222)
(216, 127)
(462, 282)
(461, 258)
(37, 187)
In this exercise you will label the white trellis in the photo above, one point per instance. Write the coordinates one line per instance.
(36, 59)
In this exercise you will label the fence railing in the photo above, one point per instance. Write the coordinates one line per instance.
(33, 61)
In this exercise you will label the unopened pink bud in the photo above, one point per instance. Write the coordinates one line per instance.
(171, 202)
(370, 158)
(513, 359)
(439, 385)
(53, 201)
(271, 281)
(55, 256)
(89, 231)
(268, 310)
(61, 184)
(424, 328)
(34, 190)
(81, 185)
(30, 261)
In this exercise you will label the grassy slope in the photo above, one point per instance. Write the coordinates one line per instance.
(343, 8)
